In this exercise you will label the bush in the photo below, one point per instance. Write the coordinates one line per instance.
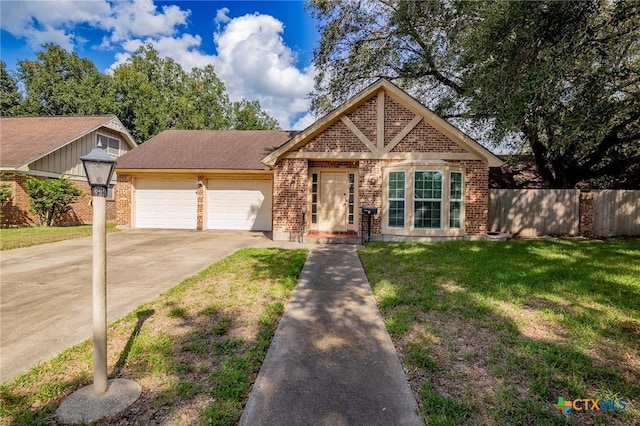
(5, 192)
(51, 199)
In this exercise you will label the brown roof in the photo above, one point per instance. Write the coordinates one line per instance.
(205, 149)
(26, 139)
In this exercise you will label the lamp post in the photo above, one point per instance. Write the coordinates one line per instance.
(105, 398)
(98, 166)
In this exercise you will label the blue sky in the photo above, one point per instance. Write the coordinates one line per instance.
(261, 50)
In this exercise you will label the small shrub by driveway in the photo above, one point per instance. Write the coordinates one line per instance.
(495, 332)
(195, 350)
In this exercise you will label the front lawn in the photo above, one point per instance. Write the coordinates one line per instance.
(496, 332)
(11, 238)
(195, 350)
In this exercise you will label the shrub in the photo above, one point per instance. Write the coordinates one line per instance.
(51, 199)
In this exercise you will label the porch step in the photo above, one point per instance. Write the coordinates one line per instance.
(316, 237)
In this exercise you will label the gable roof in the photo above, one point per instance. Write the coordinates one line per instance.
(403, 98)
(24, 140)
(205, 150)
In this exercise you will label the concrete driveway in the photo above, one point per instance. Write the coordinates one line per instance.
(45, 291)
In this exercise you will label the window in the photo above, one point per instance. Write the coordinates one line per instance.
(427, 199)
(314, 198)
(112, 145)
(352, 181)
(111, 193)
(396, 199)
(423, 198)
(455, 200)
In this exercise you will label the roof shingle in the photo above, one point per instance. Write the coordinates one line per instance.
(25, 139)
(205, 149)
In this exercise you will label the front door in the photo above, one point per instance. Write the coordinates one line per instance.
(333, 200)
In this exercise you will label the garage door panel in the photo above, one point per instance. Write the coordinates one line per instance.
(239, 205)
(166, 203)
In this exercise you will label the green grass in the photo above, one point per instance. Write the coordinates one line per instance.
(11, 238)
(198, 345)
(495, 332)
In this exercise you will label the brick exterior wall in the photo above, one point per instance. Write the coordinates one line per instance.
(585, 224)
(124, 194)
(396, 118)
(336, 138)
(370, 189)
(200, 209)
(425, 138)
(290, 188)
(476, 197)
(365, 119)
(17, 211)
(288, 200)
(321, 164)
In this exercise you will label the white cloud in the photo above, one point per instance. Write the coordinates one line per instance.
(222, 16)
(139, 18)
(39, 22)
(252, 59)
(254, 62)
(54, 21)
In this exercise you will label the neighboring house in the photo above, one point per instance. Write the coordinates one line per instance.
(49, 147)
(382, 148)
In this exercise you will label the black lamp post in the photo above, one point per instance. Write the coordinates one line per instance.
(98, 166)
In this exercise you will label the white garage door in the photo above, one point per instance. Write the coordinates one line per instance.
(239, 204)
(166, 203)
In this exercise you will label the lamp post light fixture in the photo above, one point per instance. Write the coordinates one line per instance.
(105, 398)
(98, 166)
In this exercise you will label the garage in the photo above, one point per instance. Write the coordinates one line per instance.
(166, 203)
(239, 204)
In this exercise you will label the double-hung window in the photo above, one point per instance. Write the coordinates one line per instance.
(396, 198)
(427, 199)
(455, 200)
(111, 145)
(424, 198)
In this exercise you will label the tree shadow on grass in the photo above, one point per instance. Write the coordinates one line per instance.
(447, 298)
(194, 368)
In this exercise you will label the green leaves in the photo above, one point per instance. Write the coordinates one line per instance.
(51, 199)
(558, 80)
(147, 92)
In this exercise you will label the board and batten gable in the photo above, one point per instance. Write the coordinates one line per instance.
(66, 160)
(380, 131)
(49, 147)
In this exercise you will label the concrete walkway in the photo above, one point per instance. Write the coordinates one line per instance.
(331, 361)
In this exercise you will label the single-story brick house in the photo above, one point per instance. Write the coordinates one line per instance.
(48, 147)
(382, 148)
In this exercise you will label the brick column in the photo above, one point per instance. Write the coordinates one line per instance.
(476, 198)
(124, 194)
(290, 188)
(585, 226)
(200, 213)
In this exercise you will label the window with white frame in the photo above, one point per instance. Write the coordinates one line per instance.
(427, 199)
(396, 196)
(455, 200)
(423, 198)
(111, 145)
